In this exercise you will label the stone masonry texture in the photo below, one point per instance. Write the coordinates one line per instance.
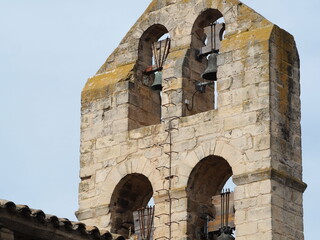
(253, 135)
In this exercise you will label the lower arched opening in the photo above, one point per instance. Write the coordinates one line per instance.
(132, 193)
(206, 180)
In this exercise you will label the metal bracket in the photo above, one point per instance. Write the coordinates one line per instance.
(201, 86)
(214, 34)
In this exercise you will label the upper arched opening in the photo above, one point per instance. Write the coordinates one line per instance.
(206, 35)
(146, 66)
(145, 96)
(206, 18)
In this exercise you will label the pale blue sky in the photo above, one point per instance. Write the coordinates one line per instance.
(48, 48)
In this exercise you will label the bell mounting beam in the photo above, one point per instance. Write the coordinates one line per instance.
(214, 34)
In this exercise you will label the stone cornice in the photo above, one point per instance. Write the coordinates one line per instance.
(271, 174)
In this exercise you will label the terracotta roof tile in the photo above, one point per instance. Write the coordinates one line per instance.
(52, 221)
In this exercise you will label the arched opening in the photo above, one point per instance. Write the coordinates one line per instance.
(133, 192)
(145, 97)
(206, 180)
(203, 98)
(146, 54)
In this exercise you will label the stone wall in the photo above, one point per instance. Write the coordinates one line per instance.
(255, 130)
(286, 135)
(6, 234)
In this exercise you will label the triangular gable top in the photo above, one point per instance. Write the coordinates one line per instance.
(178, 16)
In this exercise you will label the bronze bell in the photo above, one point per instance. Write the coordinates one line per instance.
(157, 83)
(226, 236)
(211, 72)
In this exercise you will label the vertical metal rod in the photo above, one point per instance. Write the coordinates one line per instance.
(228, 203)
(212, 36)
(154, 49)
(151, 222)
(170, 174)
(141, 223)
(148, 222)
(160, 47)
(144, 225)
(224, 208)
(165, 52)
(207, 227)
(170, 147)
(221, 210)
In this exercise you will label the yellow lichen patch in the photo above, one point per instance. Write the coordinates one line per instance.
(176, 54)
(98, 83)
(208, 3)
(283, 39)
(246, 14)
(265, 23)
(151, 7)
(221, 5)
(246, 39)
(282, 48)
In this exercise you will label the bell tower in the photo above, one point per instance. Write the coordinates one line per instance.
(197, 92)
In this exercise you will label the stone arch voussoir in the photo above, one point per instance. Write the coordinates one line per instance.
(232, 155)
(134, 166)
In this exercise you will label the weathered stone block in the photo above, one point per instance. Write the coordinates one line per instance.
(262, 142)
(240, 121)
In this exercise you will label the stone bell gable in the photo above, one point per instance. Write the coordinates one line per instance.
(180, 145)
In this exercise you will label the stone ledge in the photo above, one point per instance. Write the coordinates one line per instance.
(176, 192)
(271, 174)
(83, 215)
